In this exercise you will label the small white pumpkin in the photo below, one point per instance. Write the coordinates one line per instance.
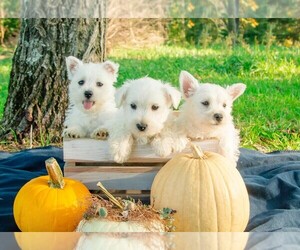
(104, 225)
(108, 241)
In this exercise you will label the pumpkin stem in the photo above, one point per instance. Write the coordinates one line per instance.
(197, 152)
(55, 174)
(109, 195)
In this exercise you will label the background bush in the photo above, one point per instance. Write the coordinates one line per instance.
(200, 32)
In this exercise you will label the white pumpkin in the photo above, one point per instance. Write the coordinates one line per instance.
(116, 241)
(206, 190)
(104, 225)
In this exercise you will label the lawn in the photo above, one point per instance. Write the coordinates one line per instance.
(5, 67)
(268, 114)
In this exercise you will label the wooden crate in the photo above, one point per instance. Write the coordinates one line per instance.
(89, 161)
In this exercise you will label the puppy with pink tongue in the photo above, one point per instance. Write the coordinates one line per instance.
(91, 96)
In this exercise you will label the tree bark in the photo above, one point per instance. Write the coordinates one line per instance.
(233, 22)
(38, 84)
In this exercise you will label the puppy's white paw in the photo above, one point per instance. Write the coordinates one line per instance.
(120, 157)
(121, 150)
(120, 153)
(229, 149)
(73, 132)
(100, 134)
(179, 144)
(231, 156)
(162, 147)
(163, 152)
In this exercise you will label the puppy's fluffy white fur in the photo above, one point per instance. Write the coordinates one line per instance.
(205, 114)
(145, 105)
(91, 96)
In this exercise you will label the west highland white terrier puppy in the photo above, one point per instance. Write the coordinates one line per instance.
(91, 96)
(145, 105)
(206, 113)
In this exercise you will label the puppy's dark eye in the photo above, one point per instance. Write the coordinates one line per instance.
(133, 106)
(81, 82)
(154, 107)
(99, 84)
(224, 105)
(206, 103)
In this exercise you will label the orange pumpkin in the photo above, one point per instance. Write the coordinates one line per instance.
(47, 241)
(51, 203)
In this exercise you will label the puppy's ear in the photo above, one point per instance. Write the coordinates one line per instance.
(173, 95)
(236, 90)
(73, 64)
(188, 84)
(112, 68)
(121, 93)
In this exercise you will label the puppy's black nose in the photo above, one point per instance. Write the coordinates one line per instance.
(218, 117)
(88, 94)
(141, 126)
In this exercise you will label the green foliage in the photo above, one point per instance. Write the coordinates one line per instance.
(5, 67)
(208, 31)
(176, 31)
(204, 32)
(10, 8)
(166, 212)
(10, 27)
(102, 212)
(278, 29)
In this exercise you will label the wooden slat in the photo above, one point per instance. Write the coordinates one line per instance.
(114, 178)
(114, 164)
(99, 170)
(90, 150)
(89, 161)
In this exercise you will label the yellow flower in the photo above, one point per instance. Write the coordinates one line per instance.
(191, 24)
(250, 21)
(190, 7)
(253, 22)
(288, 42)
(253, 5)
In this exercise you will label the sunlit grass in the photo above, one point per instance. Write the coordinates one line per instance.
(6, 54)
(5, 67)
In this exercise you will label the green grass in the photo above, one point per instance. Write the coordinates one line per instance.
(5, 67)
(268, 114)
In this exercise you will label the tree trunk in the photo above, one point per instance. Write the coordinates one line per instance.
(233, 22)
(38, 84)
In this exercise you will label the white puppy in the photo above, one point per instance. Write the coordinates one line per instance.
(91, 96)
(145, 105)
(206, 113)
